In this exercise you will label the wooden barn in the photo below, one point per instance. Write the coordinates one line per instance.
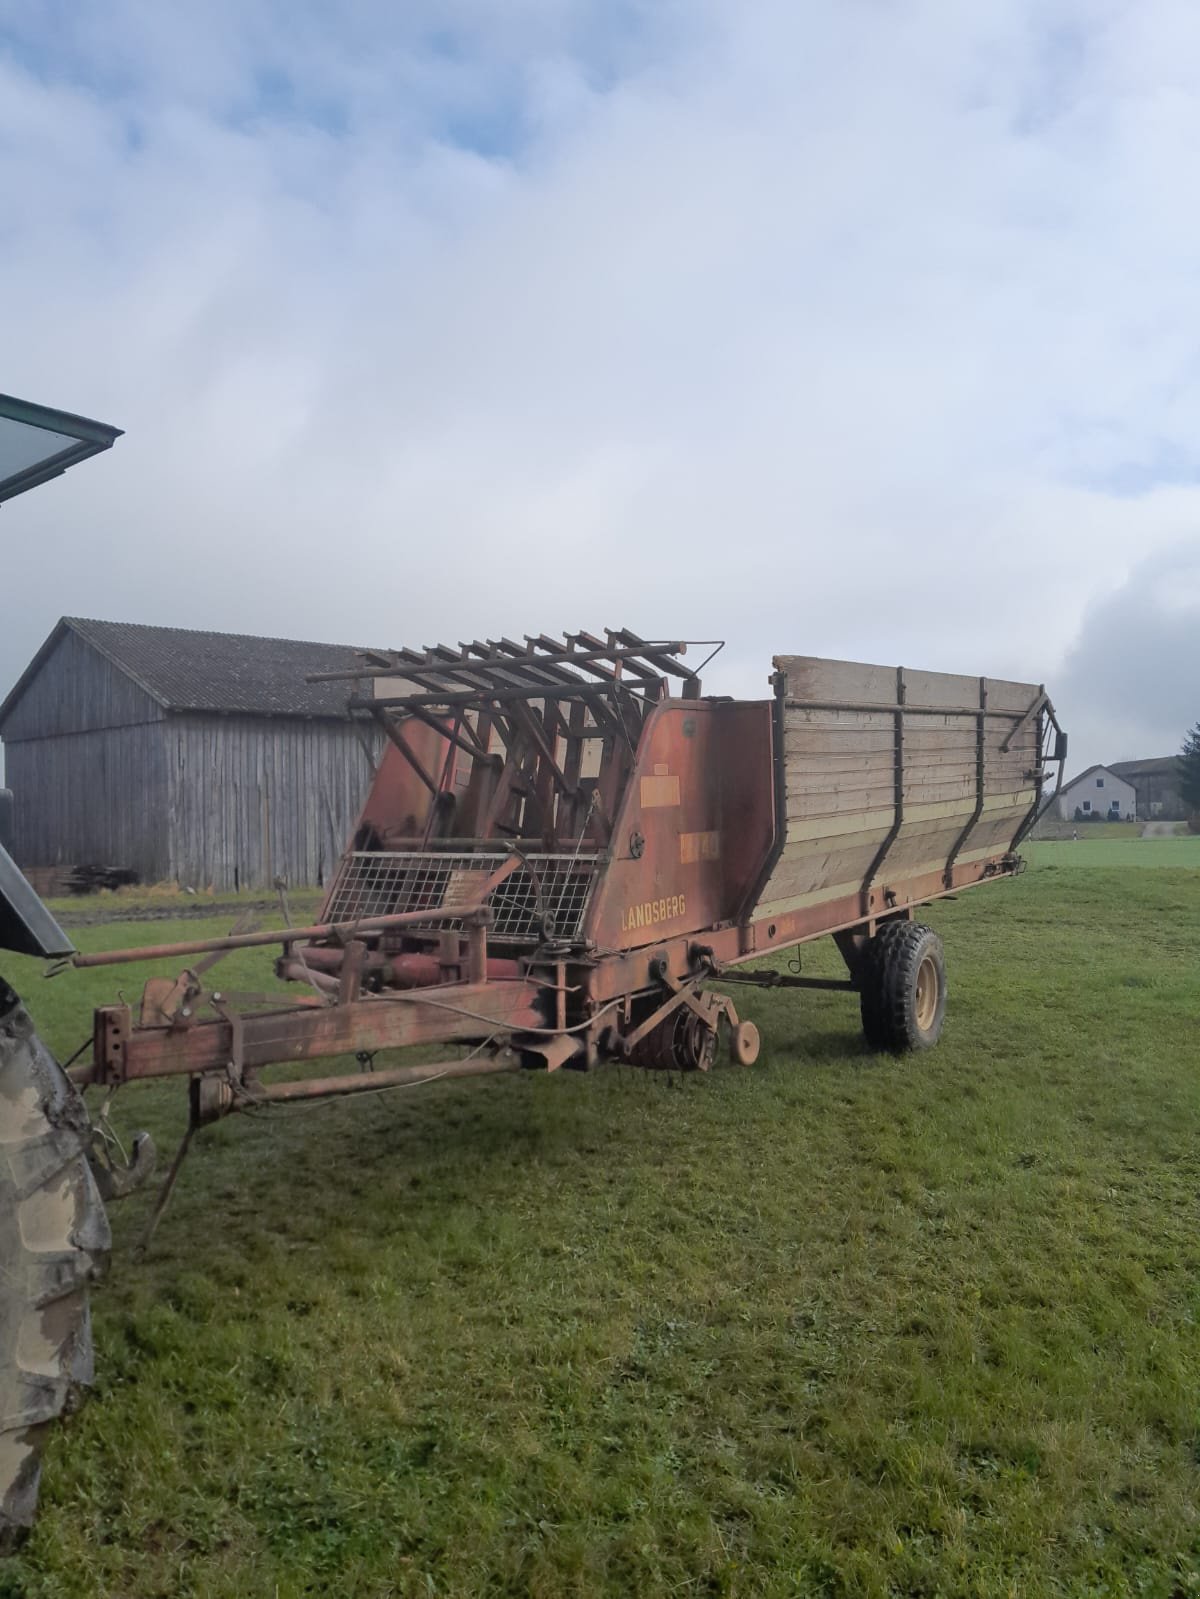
(201, 758)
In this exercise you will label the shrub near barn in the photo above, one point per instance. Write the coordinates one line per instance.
(1189, 771)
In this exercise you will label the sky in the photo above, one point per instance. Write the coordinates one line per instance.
(847, 327)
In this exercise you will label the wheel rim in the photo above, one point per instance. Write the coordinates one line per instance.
(928, 986)
(695, 1045)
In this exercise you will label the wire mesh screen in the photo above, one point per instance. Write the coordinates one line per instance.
(385, 883)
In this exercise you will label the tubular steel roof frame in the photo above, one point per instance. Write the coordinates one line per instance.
(522, 694)
(501, 669)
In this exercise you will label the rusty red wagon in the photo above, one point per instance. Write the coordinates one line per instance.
(566, 845)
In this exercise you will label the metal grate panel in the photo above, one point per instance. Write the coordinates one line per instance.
(387, 882)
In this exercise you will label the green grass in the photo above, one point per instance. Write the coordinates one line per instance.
(1105, 852)
(833, 1325)
(164, 899)
(1054, 827)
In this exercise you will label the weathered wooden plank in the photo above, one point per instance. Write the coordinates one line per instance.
(811, 678)
(940, 688)
(259, 797)
(95, 798)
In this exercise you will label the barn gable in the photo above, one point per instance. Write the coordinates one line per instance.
(188, 669)
(70, 687)
(205, 758)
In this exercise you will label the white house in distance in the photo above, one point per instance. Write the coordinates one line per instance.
(1098, 792)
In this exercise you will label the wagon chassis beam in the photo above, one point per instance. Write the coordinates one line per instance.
(771, 979)
(455, 1013)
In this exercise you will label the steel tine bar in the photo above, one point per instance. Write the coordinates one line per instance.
(393, 730)
(453, 734)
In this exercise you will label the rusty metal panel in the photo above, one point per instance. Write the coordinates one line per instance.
(695, 827)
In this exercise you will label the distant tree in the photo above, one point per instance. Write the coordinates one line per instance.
(1189, 771)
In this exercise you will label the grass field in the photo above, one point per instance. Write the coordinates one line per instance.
(1088, 851)
(1053, 827)
(833, 1325)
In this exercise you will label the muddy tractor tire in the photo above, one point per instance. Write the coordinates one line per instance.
(902, 988)
(54, 1240)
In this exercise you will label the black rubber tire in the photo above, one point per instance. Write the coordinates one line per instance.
(888, 996)
(54, 1240)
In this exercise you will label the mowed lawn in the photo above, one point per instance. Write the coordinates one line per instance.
(1111, 852)
(833, 1325)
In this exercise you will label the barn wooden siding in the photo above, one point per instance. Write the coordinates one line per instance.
(102, 775)
(95, 798)
(76, 689)
(85, 761)
(255, 798)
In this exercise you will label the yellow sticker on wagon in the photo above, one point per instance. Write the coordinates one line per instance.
(699, 847)
(661, 789)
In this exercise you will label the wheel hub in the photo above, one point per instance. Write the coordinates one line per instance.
(927, 993)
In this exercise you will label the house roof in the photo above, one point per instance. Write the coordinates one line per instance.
(188, 670)
(1156, 766)
(1109, 771)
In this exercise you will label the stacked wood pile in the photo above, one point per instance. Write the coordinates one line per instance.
(54, 881)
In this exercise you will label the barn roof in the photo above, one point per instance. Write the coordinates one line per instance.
(185, 669)
(1155, 766)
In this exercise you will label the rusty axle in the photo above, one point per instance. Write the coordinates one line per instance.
(394, 1077)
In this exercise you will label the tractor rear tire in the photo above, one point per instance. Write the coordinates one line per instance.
(54, 1240)
(902, 991)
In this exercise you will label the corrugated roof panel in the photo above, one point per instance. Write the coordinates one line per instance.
(189, 670)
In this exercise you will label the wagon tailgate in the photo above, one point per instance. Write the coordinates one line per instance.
(882, 777)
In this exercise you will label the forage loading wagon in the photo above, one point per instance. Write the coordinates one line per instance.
(569, 854)
(559, 856)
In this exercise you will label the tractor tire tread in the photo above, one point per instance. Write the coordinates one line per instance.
(888, 995)
(54, 1241)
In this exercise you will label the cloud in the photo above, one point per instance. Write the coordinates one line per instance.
(860, 330)
(1132, 680)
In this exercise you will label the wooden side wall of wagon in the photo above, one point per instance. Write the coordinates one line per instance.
(895, 787)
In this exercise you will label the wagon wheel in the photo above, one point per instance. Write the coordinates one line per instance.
(744, 1044)
(903, 987)
(682, 1042)
(695, 1043)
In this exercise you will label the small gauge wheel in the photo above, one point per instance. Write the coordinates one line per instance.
(744, 1044)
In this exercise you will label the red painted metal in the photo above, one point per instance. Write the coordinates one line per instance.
(701, 803)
